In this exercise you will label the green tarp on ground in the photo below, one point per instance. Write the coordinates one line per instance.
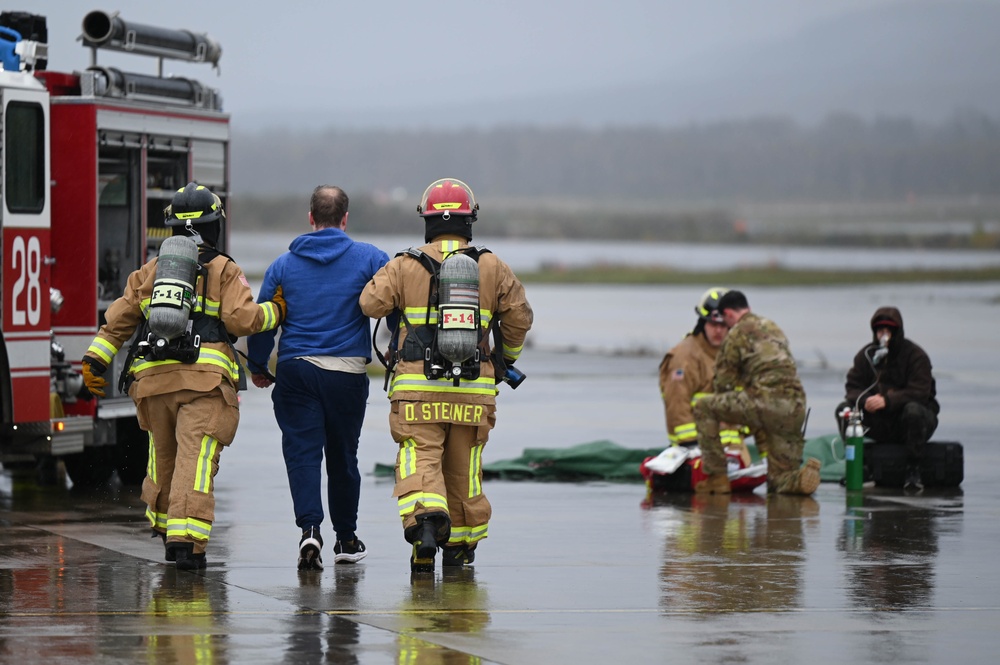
(597, 460)
(828, 449)
(606, 460)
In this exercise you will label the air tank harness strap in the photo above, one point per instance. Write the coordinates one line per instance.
(126, 378)
(214, 329)
(392, 355)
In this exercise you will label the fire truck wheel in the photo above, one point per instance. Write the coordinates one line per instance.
(91, 468)
(132, 451)
(43, 470)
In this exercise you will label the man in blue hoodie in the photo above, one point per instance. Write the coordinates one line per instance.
(321, 385)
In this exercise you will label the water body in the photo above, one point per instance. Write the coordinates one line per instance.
(595, 348)
(255, 250)
(599, 346)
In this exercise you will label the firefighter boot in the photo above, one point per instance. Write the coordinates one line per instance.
(805, 481)
(716, 483)
(462, 555)
(185, 557)
(424, 546)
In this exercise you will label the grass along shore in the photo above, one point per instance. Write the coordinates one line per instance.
(762, 276)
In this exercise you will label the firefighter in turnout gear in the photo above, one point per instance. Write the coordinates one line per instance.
(184, 388)
(443, 403)
(687, 370)
(756, 383)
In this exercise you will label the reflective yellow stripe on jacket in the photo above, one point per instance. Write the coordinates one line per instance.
(402, 383)
(103, 349)
(206, 356)
(730, 437)
(684, 434)
(211, 308)
(417, 316)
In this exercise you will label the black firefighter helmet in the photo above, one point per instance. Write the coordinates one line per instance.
(707, 308)
(196, 211)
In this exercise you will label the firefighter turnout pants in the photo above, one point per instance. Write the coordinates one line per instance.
(439, 465)
(187, 431)
(775, 422)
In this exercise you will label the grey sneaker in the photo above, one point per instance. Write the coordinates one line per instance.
(309, 550)
(349, 551)
(913, 481)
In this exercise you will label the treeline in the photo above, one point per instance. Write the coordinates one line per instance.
(843, 159)
(930, 224)
(370, 214)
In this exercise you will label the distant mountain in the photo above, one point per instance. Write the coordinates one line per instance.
(845, 158)
(920, 59)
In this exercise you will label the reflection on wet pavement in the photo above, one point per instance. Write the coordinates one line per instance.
(739, 554)
(890, 547)
(80, 581)
(572, 572)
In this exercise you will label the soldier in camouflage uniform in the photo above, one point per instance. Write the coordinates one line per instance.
(756, 383)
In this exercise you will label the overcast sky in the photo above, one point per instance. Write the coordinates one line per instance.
(346, 56)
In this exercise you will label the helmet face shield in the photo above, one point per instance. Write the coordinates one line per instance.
(447, 197)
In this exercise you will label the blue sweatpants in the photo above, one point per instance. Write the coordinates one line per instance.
(320, 412)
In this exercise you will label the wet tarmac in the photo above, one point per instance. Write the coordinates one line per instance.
(571, 573)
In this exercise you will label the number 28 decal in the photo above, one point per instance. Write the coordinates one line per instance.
(26, 296)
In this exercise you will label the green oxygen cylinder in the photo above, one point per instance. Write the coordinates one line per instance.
(854, 451)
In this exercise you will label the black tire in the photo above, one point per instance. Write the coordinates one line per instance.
(92, 468)
(21, 467)
(132, 451)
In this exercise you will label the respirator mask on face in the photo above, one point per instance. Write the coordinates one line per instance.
(883, 346)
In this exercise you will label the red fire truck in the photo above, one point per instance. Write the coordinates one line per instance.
(89, 161)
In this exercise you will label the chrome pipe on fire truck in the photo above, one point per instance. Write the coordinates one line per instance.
(110, 31)
(111, 82)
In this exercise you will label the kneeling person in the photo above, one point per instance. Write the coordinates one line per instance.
(756, 384)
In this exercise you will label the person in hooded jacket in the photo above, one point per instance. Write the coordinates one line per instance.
(321, 382)
(892, 383)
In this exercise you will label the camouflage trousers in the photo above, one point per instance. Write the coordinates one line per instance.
(774, 421)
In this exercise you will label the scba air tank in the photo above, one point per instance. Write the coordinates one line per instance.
(173, 288)
(458, 308)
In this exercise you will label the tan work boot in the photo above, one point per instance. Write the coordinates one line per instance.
(716, 483)
(806, 481)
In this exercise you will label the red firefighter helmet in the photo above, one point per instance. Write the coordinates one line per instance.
(447, 197)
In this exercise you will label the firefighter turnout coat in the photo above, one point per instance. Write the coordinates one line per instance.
(686, 375)
(441, 427)
(190, 410)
